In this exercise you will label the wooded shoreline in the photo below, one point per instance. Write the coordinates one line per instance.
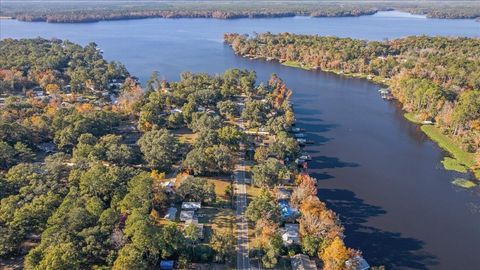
(400, 64)
(83, 12)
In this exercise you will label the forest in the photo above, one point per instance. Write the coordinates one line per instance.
(435, 78)
(79, 11)
(53, 65)
(86, 185)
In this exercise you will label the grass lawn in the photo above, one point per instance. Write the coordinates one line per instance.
(464, 183)
(459, 156)
(452, 164)
(221, 184)
(253, 191)
(295, 65)
(216, 219)
(412, 117)
(185, 135)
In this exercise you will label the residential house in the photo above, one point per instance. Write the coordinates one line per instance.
(357, 263)
(302, 262)
(191, 205)
(171, 213)
(290, 234)
(187, 215)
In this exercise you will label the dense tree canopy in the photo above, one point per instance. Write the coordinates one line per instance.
(52, 64)
(159, 148)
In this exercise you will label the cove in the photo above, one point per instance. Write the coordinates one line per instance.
(376, 170)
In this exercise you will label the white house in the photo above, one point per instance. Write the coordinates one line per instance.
(290, 234)
(358, 263)
(187, 215)
(191, 205)
(302, 262)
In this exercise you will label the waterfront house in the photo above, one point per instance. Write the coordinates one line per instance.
(290, 234)
(302, 262)
(357, 263)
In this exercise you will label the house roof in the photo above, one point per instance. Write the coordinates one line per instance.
(359, 263)
(186, 215)
(283, 194)
(290, 234)
(191, 205)
(302, 262)
(172, 211)
(167, 264)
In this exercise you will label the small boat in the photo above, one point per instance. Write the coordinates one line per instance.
(305, 157)
(384, 91)
(299, 135)
(387, 96)
(296, 129)
(309, 141)
(302, 141)
(300, 161)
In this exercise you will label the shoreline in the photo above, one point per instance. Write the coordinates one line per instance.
(61, 17)
(457, 159)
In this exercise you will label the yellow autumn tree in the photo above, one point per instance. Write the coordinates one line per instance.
(52, 88)
(477, 157)
(85, 107)
(130, 95)
(335, 255)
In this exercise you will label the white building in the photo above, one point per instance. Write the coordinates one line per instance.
(187, 215)
(290, 234)
(357, 263)
(191, 205)
(302, 262)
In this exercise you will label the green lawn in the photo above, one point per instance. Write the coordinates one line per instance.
(295, 65)
(216, 219)
(459, 157)
(412, 117)
(221, 185)
(452, 164)
(464, 183)
(185, 135)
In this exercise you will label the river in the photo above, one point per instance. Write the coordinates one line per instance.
(376, 170)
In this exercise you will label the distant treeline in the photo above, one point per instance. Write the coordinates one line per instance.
(437, 78)
(106, 15)
(92, 12)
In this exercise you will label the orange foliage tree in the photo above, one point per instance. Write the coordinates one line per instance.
(335, 255)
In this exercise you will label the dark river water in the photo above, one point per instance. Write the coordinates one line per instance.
(375, 169)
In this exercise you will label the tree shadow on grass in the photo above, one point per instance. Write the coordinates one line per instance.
(379, 247)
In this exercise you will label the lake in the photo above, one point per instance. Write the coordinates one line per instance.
(376, 170)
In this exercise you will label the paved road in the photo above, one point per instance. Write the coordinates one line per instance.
(243, 262)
